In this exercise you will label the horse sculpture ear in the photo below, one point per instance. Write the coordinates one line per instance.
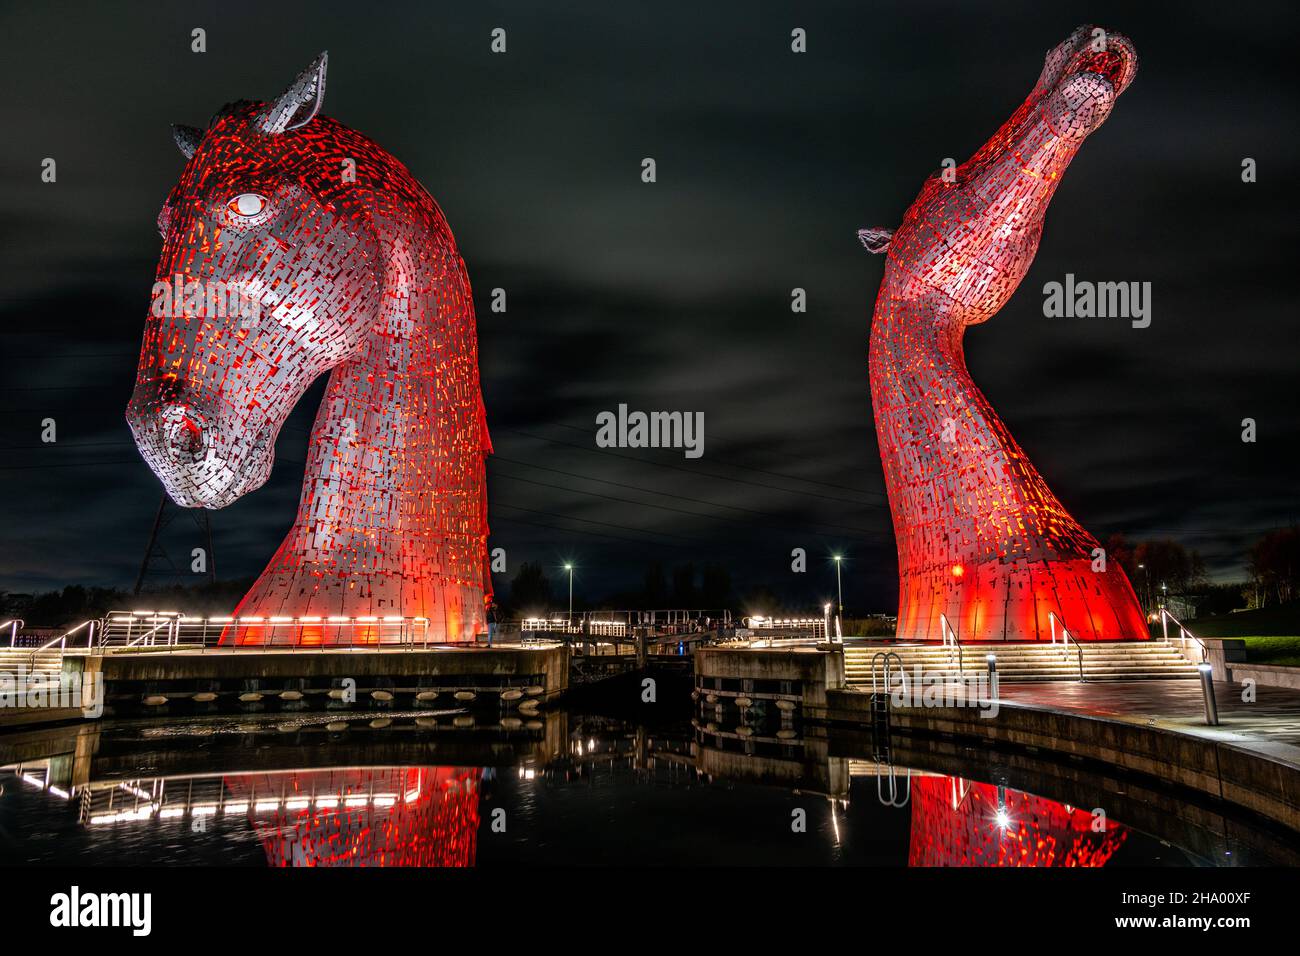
(187, 138)
(299, 103)
(876, 240)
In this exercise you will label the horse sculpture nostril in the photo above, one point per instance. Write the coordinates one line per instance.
(191, 436)
(182, 434)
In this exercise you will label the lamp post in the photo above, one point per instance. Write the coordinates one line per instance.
(839, 588)
(569, 568)
(1146, 587)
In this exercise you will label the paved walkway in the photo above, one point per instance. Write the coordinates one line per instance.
(1269, 726)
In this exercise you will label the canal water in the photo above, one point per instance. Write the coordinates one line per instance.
(452, 789)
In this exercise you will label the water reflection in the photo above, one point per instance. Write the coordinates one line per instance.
(425, 790)
(957, 822)
(389, 816)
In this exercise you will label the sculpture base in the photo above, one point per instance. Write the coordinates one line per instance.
(997, 602)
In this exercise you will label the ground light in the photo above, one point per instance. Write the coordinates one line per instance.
(1207, 691)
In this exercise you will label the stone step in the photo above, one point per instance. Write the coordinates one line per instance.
(980, 665)
(982, 655)
(968, 656)
(1100, 647)
(1126, 660)
(1042, 678)
(1011, 651)
(13, 658)
(1039, 678)
(1035, 665)
(1014, 656)
(1067, 671)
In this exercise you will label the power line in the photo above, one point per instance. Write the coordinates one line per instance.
(666, 494)
(63, 388)
(53, 445)
(766, 471)
(607, 524)
(70, 464)
(647, 504)
(65, 355)
(694, 471)
(846, 528)
(690, 471)
(596, 534)
(697, 472)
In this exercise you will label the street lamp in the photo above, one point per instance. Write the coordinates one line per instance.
(838, 586)
(569, 568)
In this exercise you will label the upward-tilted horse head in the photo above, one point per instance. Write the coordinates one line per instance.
(985, 549)
(293, 246)
(972, 233)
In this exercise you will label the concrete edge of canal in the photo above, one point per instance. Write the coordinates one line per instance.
(1263, 784)
(180, 683)
(1245, 776)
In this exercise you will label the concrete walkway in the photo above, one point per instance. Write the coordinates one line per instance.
(1270, 726)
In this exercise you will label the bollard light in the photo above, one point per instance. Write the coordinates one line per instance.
(993, 676)
(1207, 691)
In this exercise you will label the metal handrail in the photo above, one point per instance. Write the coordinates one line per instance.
(1183, 633)
(1066, 639)
(61, 640)
(893, 800)
(946, 629)
(173, 629)
(150, 633)
(884, 657)
(15, 625)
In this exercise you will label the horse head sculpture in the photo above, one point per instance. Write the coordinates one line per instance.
(294, 246)
(985, 549)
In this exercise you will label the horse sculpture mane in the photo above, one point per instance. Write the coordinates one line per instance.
(295, 246)
(985, 549)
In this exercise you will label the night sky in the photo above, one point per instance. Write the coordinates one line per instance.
(676, 295)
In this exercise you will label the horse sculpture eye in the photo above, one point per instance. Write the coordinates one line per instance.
(247, 205)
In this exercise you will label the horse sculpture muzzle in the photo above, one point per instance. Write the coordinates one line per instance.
(200, 460)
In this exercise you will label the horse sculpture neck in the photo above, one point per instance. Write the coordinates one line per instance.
(392, 516)
(982, 541)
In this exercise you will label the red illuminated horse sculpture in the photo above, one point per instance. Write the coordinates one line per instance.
(372, 816)
(958, 822)
(982, 541)
(294, 246)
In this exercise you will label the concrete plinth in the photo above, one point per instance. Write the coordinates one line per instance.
(803, 672)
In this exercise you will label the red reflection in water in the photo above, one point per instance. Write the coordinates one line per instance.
(385, 816)
(959, 823)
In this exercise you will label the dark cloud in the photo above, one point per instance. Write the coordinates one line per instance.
(676, 295)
